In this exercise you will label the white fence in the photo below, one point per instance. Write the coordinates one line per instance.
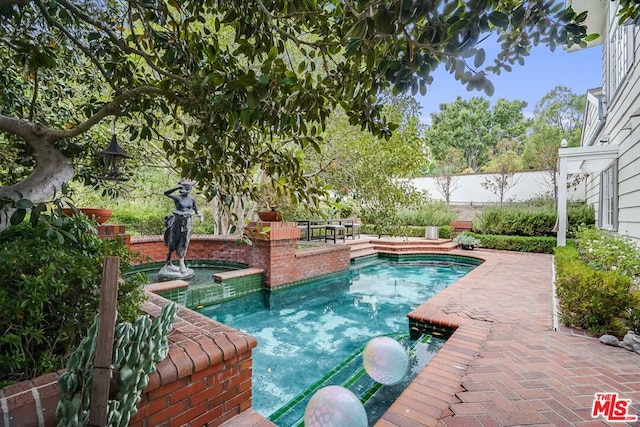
(468, 189)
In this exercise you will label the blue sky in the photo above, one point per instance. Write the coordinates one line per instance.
(542, 71)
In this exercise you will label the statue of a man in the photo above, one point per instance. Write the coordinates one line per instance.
(179, 226)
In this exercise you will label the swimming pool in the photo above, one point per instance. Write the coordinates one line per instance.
(307, 332)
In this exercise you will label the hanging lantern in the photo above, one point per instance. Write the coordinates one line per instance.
(111, 158)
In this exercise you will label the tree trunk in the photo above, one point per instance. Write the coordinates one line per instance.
(52, 169)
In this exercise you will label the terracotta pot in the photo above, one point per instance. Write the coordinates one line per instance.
(270, 215)
(98, 215)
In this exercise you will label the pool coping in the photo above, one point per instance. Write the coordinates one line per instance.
(428, 397)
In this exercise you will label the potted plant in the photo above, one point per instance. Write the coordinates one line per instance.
(97, 214)
(267, 197)
(466, 241)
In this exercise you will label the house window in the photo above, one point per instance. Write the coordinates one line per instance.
(620, 55)
(609, 198)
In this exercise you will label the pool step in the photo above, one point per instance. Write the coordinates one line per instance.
(349, 374)
(399, 246)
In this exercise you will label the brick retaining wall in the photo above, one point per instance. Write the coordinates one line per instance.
(274, 252)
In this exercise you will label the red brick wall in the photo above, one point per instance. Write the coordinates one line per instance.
(206, 378)
(275, 253)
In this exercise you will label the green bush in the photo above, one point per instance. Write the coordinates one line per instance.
(431, 213)
(50, 294)
(517, 243)
(515, 221)
(150, 221)
(444, 231)
(599, 301)
(144, 222)
(608, 252)
(579, 215)
(524, 220)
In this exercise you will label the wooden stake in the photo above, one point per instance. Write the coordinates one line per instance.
(104, 342)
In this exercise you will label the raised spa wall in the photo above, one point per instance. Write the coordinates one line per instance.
(273, 251)
(206, 378)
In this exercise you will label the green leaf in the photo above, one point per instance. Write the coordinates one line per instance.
(18, 216)
(499, 19)
(479, 58)
(23, 204)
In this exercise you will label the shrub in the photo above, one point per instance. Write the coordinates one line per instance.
(579, 215)
(431, 213)
(446, 232)
(516, 221)
(50, 293)
(608, 252)
(517, 243)
(530, 219)
(150, 221)
(599, 301)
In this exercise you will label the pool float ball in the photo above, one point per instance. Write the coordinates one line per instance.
(385, 360)
(334, 406)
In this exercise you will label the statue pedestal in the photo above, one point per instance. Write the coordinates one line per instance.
(173, 272)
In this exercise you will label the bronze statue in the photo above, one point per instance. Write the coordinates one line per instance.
(178, 229)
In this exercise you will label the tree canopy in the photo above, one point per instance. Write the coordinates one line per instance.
(473, 128)
(224, 87)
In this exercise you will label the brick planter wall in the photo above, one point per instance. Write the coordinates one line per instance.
(274, 252)
(206, 378)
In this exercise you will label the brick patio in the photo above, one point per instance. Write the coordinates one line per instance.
(506, 365)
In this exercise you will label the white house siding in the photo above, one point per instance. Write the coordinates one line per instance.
(469, 190)
(623, 129)
(629, 179)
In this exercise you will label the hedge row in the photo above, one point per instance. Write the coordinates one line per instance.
(444, 231)
(522, 221)
(516, 243)
(598, 301)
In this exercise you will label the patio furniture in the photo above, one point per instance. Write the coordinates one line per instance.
(333, 232)
(351, 229)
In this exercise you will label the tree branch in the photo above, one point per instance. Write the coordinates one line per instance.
(32, 107)
(284, 33)
(12, 2)
(110, 109)
(119, 42)
(53, 23)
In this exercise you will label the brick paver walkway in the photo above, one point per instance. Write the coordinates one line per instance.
(506, 365)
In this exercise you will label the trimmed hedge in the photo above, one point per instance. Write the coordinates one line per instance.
(444, 231)
(598, 301)
(523, 221)
(517, 243)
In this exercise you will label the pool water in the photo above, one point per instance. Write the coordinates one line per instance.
(306, 332)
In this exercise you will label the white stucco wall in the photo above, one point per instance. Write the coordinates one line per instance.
(469, 190)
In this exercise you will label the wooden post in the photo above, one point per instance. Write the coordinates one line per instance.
(104, 342)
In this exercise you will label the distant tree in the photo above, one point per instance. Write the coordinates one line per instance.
(446, 169)
(473, 128)
(371, 170)
(557, 116)
(503, 165)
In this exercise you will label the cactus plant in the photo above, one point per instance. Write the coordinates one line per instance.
(137, 348)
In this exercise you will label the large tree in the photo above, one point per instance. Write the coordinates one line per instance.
(474, 128)
(370, 170)
(557, 116)
(225, 87)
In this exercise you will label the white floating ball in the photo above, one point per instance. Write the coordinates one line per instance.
(385, 360)
(334, 406)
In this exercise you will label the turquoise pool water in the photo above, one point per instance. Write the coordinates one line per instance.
(312, 335)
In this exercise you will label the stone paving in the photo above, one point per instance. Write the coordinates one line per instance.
(506, 365)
